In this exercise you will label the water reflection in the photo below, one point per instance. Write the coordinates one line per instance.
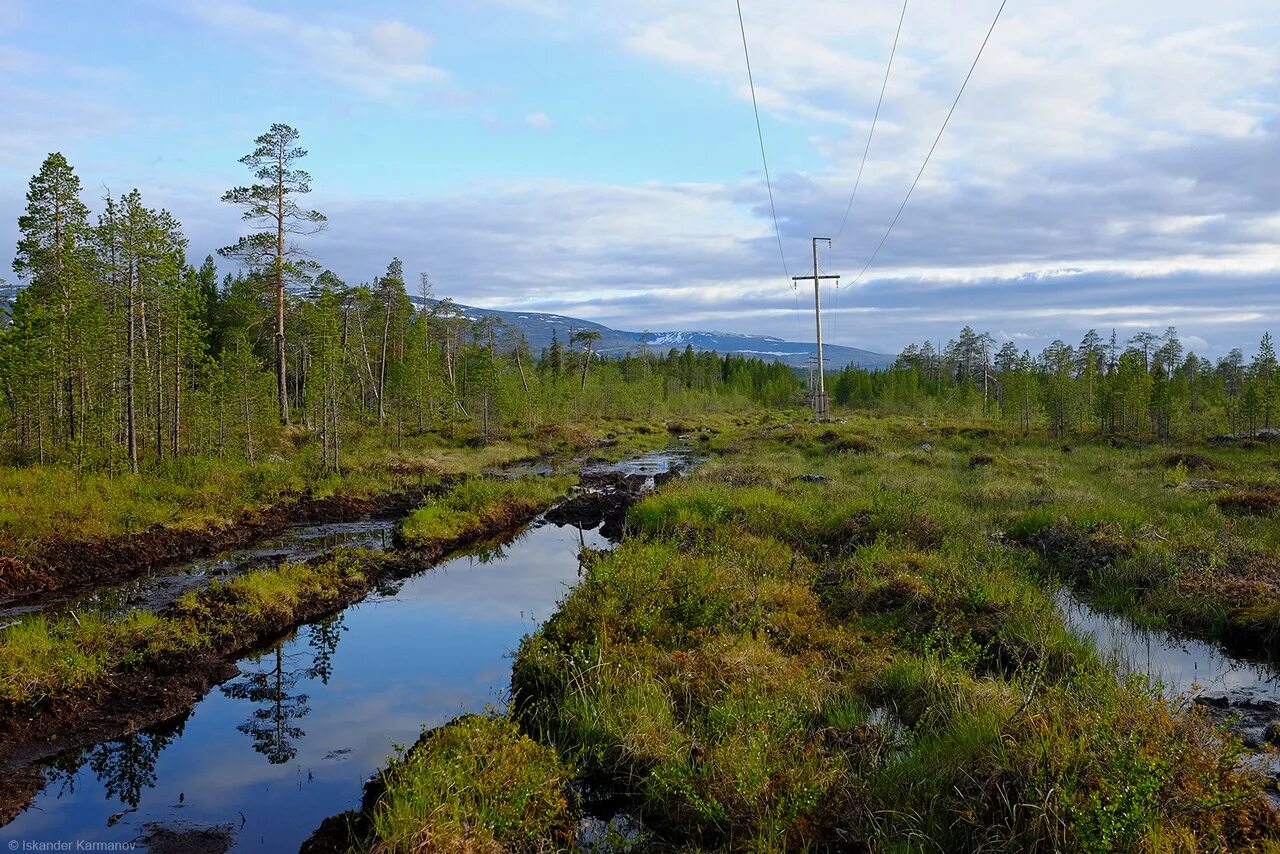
(321, 709)
(291, 740)
(1179, 667)
(125, 768)
(162, 586)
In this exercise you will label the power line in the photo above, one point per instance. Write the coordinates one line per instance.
(933, 147)
(874, 120)
(760, 133)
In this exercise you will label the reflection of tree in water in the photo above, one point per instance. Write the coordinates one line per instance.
(323, 639)
(273, 725)
(125, 768)
(489, 553)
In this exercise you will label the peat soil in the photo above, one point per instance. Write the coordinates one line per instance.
(49, 734)
(62, 569)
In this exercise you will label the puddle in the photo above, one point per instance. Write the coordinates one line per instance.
(1242, 695)
(161, 586)
(1180, 668)
(291, 740)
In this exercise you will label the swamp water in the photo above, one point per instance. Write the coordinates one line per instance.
(264, 758)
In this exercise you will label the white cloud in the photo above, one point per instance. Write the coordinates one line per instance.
(379, 59)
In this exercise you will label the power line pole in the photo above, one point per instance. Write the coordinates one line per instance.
(821, 406)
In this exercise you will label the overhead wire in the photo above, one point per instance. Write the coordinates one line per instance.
(933, 147)
(764, 159)
(884, 85)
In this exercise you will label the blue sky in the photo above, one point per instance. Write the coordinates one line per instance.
(1111, 164)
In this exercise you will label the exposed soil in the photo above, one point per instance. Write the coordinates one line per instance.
(1191, 462)
(602, 499)
(70, 566)
(158, 691)
(1076, 553)
(1255, 719)
(1250, 503)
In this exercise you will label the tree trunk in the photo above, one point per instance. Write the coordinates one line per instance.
(130, 406)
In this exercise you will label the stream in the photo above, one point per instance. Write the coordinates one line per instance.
(261, 760)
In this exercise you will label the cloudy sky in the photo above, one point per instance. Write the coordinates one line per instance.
(1112, 164)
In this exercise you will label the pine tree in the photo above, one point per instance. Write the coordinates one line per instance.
(52, 257)
(270, 204)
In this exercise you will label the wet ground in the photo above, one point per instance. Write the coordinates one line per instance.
(1238, 693)
(264, 758)
(161, 586)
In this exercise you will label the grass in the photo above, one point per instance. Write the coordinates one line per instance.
(41, 503)
(475, 785)
(58, 655)
(43, 656)
(479, 505)
(829, 642)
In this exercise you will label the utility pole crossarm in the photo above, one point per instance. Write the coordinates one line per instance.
(811, 278)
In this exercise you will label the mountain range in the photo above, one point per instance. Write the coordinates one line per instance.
(538, 329)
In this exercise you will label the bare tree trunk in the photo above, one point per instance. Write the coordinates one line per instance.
(282, 391)
(177, 386)
(159, 390)
(130, 406)
(382, 369)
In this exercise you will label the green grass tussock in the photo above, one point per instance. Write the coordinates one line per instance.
(861, 658)
(478, 505)
(475, 785)
(56, 655)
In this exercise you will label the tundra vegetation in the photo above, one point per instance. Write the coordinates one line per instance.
(845, 636)
(829, 637)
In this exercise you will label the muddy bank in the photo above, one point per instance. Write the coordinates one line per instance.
(71, 566)
(604, 497)
(160, 690)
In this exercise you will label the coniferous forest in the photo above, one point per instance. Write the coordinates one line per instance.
(265, 532)
(119, 350)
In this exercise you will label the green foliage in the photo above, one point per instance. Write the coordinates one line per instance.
(1149, 387)
(480, 504)
(55, 655)
(476, 784)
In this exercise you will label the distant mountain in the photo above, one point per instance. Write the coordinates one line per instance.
(537, 328)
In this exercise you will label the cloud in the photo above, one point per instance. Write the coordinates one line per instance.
(1111, 165)
(1133, 137)
(539, 121)
(378, 60)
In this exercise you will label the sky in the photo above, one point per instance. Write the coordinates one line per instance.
(1111, 165)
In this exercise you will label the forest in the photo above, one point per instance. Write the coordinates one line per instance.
(1146, 384)
(119, 352)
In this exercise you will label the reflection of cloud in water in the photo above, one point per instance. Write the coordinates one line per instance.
(1180, 667)
(440, 647)
(512, 588)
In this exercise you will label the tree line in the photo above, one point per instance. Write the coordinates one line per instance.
(1147, 383)
(118, 352)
